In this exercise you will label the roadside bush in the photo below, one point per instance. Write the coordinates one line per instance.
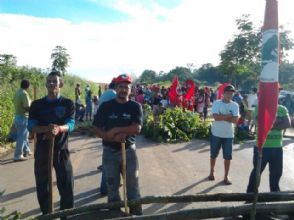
(10, 78)
(6, 113)
(175, 125)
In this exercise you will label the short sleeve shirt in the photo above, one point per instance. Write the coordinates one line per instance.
(44, 112)
(274, 138)
(224, 129)
(21, 101)
(252, 101)
(112, 114)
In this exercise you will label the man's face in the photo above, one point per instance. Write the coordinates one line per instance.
(53, 84)
(228, 96)
(123, 90)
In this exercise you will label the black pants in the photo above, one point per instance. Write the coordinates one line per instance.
(273, 157)
(64, 177)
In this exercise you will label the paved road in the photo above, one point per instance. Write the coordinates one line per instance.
(165, 169)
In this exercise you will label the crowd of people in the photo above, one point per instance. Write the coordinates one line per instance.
(117, 117)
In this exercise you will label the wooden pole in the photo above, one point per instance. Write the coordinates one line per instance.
(124, 175)
(213, 212)
(50, 181)
(223, 197)
(256, 185)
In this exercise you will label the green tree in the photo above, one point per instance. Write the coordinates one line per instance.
(7, 60)
(242, 54)
(183, 73)
(148, 77)
(286, 75)
(209, 74)
(60, 59)
(240, 60)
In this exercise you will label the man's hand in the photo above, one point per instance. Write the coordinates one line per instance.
(54, 129)
(120, 137)
(111, 133)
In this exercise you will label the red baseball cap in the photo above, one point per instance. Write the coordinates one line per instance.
(123, 78)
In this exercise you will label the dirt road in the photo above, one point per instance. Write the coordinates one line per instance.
(165, 169)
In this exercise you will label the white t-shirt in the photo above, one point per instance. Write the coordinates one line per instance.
(252, 101)
(224, 129)
(164, 103)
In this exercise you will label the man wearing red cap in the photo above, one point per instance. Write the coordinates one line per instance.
(116, 121)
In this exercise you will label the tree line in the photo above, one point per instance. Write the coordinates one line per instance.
(240, 62)
(240, 65)
(11, 75)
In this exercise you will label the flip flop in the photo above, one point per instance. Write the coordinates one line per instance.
(211, 178)
(227, 182)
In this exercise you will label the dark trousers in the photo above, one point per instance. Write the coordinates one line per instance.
(103, 184)
(64, 177)
(274, 158)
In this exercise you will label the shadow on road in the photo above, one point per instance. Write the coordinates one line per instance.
(15, 195)
(87, 197)
(91, 173)
(80, 200)
(155, 207)
(194, 145)
(6, 161)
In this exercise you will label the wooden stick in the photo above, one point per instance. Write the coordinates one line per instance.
(213, 212)
(50, 181)
(256, 185)
(124, 175)
(223, 197)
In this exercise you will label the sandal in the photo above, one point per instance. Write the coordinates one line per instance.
(227, 182)
(211, 177)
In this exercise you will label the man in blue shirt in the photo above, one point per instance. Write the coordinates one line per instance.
(53, 116)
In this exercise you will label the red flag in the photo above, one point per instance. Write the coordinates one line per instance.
(190, 85)
(174, 89)
(268, 86)
(221, 90)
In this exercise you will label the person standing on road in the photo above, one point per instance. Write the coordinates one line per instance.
(119, 120)
(107, 95)
(225, 113)
(22, 104)
(78, 92)
(53, 116)
(272, 151)
(252, 102)
(88, 100)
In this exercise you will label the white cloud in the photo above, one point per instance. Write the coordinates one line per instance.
(194, 32)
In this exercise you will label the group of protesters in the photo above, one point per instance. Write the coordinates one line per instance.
(118, 118)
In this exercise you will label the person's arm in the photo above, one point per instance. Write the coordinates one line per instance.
(99, 124)
(228, 118)
(132, 129)
(282, 123)
(99, 132)
(283, 120)
(26, 102)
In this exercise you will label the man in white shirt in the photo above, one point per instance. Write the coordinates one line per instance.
(252, 102)
(225, 113)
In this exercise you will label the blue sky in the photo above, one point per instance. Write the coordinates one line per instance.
(73, 10)
(105, 38)
(76, 10)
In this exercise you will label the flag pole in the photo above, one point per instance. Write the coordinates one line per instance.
(268, 86)
(256, 185)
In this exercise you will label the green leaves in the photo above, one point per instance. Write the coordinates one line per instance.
(60, 59)
(175, 125)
